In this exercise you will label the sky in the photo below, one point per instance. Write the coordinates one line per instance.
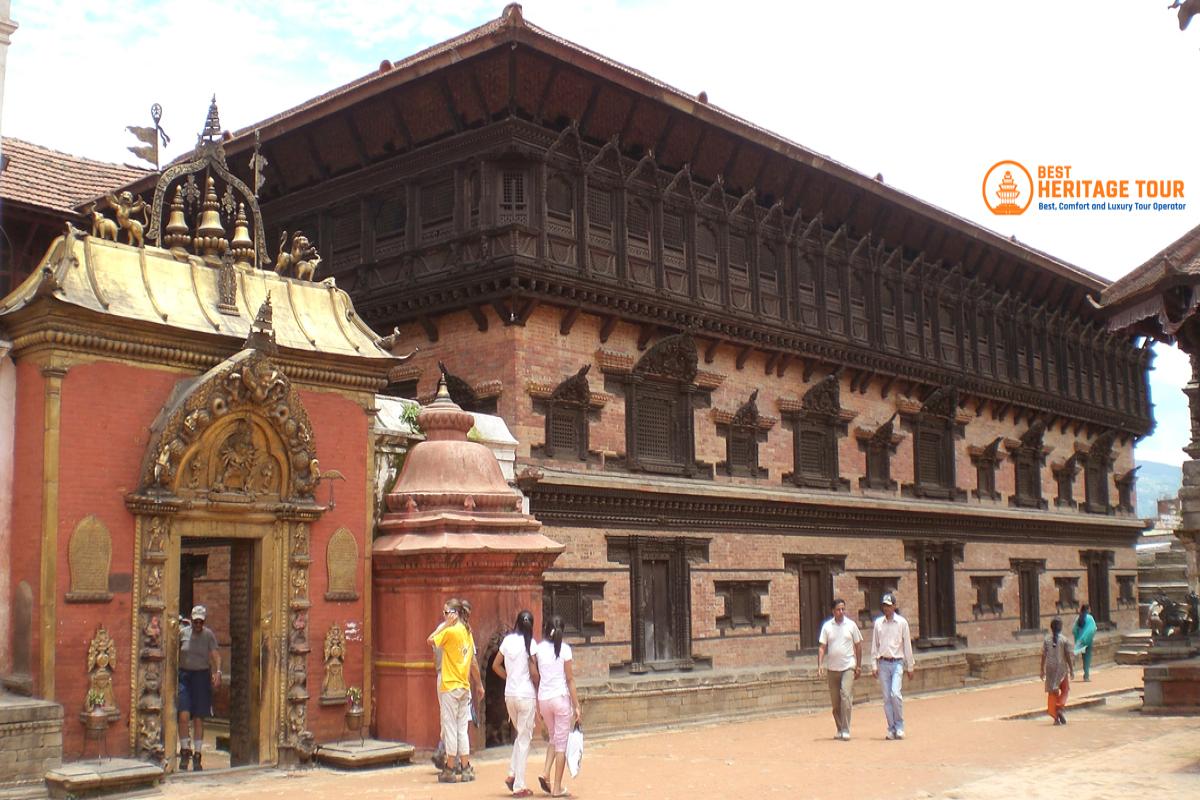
(930, 93)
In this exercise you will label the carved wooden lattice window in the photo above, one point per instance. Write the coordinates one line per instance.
(815, 431)
(599, 208)
(1095, 473)
(987, 595)
(659, 424)
(934, 433)
(1027, 467)
(1064, 479)
(879, 448)
(513, 205)
(1028, 591)
(743, 604)
(346, 238)
(873, 589)
(566, 418)
(472, 191)
(1125, 494)
(986, 460)
(741, 439)
(1068, 591)
(706, 245)
(637, 228)
(573, 602)
(390, 222)
(437, 210)
(1126, 591)
(560, 203)
(673, 232)
(835, 280)
(739, 256)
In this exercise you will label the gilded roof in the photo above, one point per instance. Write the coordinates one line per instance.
(153, 285)
(46, 178)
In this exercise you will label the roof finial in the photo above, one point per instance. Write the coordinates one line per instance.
(513, 15)
(212, 123)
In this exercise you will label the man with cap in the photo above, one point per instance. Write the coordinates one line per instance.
(199, 674)
(891, 652)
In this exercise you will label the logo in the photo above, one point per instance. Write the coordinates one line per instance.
(1008, 188)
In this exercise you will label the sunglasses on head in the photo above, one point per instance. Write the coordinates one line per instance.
(449, 611)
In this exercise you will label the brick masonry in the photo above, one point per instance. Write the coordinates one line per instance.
(31, 744)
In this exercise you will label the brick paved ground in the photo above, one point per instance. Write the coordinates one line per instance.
(959, 746)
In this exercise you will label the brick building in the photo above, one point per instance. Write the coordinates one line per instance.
(744, 378)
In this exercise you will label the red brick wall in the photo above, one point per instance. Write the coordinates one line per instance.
(27, 497)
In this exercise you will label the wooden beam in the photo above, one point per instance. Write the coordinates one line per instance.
(980, 402)
(886, 386)
(772, 360)
(623, 135)
(360, 149)
(710, 351)
(743, 354)
(322, 170)
(503, 311)
(401, 125)
(607, 327)
(732, 160)
(809, 366)
(699, 146)
(865, 384)
(477, 90)
(481, 320)
(512, 81)
(664, 137)
(430, 327)
(545, 94)
(646, 332)
(590, 108)
(568, 320)
(451, 108)
(528, 306)
(783, 364)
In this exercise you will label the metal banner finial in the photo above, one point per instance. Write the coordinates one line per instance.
(149, 136)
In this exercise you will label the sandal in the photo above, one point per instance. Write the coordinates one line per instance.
(509, 781)
(544, 783)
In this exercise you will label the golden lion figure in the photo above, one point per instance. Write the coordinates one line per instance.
(125, 206)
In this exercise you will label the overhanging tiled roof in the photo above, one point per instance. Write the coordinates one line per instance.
(45, 178)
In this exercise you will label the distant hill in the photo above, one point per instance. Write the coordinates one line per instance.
(1155, 480)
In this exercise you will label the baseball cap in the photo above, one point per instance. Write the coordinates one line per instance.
(888, 599)
(199, 612)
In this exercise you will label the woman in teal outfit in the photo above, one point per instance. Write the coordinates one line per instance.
(1085, 631)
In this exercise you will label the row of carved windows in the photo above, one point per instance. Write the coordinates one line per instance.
(659, 438)
(661, 568)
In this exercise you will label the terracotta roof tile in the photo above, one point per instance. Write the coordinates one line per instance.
(1180, 258)
(57, 181)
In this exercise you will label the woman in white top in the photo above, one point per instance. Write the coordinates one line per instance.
(557, 700)
(516, 665)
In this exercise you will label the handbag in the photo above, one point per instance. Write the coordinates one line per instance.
(575, 749)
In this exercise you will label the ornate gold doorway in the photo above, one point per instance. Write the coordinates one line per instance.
(232, 458)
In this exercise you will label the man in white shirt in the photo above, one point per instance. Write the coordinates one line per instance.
(839, 659)
(891, 651)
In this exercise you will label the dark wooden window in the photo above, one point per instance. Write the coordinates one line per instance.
(739, 256)
(743, 604)
(816, 428)
(986, 459)
(742, 434)
(1028, 591)
(835, 286)
(1096, 468)
(1097, 563)
(346, 243)
(673, 231)
(566, 411)
(815, 573)
(560, 199)
(1126, 591)
(1068, 592)
(770, 297)
(887, 311)
(390, 223)
(599, 207)
(1064, 479)
(935, 429)
(1125, 490)
(1028, 459)
(659, 420)
(637, 228)
(437, 210)
(879, 447)
(660, 597)
(706, 244)
(573, 602)
(935, 590)
(873, 589)
(472, 192)
(513, 205)
(987, 595)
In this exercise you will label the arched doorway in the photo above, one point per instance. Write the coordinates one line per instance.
(231, 464)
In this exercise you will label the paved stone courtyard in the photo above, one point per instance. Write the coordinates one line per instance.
(960, 745)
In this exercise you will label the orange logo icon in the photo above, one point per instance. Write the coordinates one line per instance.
(1007, 188)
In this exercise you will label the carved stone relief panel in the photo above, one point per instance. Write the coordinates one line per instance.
(101, 663)
(333, 687)
(89, 556)
(341, 565)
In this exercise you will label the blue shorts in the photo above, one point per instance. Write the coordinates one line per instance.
(195, 692)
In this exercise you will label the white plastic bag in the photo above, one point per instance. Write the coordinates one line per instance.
(575, 750)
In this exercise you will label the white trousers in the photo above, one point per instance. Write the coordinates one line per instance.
(523, 713)
(456, 713)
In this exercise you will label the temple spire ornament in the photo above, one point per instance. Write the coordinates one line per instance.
(242, 246)
(212, 124)
(178, 236)
(210, 233)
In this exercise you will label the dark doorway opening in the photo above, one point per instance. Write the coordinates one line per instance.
(220, 575)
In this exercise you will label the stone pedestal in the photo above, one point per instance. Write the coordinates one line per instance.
(365, 754)
(30, 744)
(453, 528)
(1172, 688)
(114, 776)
